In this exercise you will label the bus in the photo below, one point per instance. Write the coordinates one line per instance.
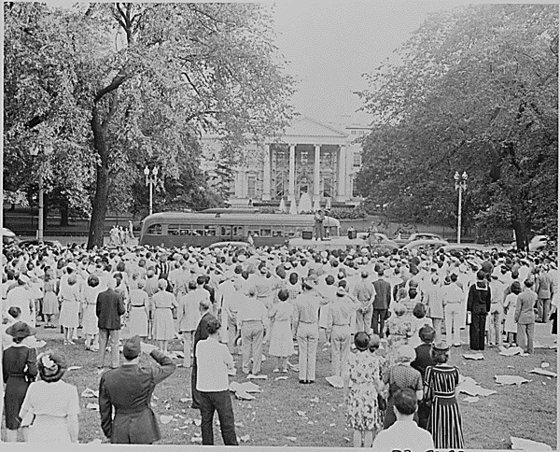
(176, 229)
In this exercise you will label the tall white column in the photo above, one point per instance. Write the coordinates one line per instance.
(266, 174)
(341, 195)
(316, 176)
(292, 175)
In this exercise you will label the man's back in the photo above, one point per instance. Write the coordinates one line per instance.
(382, 294)
(109, 308)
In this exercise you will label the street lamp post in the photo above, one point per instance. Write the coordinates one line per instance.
(461, 185)
(35, 151)
(151, 180)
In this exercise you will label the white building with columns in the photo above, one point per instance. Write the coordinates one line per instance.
(310, 157)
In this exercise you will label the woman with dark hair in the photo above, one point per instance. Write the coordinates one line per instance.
(70, 309)
(164, 327)
(364, 371)
(19, 368)
(50, 300)
(281, 343)
(51, 404)
(89, 316)
(441, 382)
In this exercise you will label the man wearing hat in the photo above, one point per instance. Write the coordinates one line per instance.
(128, 390)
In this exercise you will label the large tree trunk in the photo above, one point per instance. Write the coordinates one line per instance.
(64, 213)
(521, 234)
(97, 222)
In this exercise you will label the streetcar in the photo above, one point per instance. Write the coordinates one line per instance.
(177, 229)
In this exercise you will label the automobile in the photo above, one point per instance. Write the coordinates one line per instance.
(537, 243)
(423, 236)
(9, 237)
(465, 248)
(226, 244)
(35, 242)
(378, 239)
(425, 245)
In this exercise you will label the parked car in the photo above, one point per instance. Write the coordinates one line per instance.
(229, 244)
(9, 237)
(35, 242)
(378, 241)
(537, 243)
(465, 248)
(423, 236)
(425, 245)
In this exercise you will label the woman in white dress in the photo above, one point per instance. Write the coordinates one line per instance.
(89, 317)
(164, 327)
(51, 406)
(70, 310)
(281, 342)
(509, 308)
(138, 310)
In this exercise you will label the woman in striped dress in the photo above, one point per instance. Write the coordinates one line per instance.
(445, 422)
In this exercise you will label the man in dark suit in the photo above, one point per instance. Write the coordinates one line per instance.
(380, 303)
(200, 334)
(478, 304)
(109, 308)
(129, 390)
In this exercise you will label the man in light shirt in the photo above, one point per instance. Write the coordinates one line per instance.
(453, 298)
(214, 364)
(404, 434)
(252, 320)
(365, 294)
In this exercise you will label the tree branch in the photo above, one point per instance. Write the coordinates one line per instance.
(117, 81)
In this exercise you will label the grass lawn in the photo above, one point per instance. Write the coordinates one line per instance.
(526, 411)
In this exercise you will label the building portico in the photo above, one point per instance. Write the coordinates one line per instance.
(309, 158)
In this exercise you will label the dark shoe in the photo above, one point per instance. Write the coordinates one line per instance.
(303, 382)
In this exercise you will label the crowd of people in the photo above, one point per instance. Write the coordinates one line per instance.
(389, 322)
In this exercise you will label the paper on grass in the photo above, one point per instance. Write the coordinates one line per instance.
(546, 373)
(512, 351)
(471, 399)
(469, 386)
(527, 444)
(165, 419)
(335, 381)
(475, 356)
(510, 379)
(90, 393)
(73, 368)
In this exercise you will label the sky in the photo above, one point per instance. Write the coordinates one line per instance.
(331, 43)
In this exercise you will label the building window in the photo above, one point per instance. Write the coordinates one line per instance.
(357, 159)
(327, 187)
(304, 156)
(251, 185)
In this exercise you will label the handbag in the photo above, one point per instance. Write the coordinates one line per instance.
(381, 402)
